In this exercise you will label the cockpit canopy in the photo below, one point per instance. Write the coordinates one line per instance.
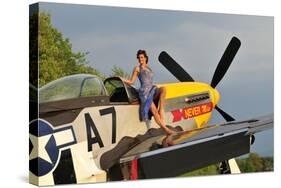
(74, 86)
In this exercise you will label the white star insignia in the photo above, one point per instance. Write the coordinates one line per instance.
(38, 150)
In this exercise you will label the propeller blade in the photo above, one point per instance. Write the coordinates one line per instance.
(167, 61)
(226, 116)
(226, 60)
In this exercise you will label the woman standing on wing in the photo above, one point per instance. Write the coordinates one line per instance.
(148, 92)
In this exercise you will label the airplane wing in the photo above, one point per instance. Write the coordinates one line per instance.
(158, 156)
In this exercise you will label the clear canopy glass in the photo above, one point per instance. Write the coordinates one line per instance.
(74, 86)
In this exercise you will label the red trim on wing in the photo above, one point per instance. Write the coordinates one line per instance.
(134, 170)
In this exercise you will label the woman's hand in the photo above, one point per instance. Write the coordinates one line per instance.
(133, 78)
(125, 81)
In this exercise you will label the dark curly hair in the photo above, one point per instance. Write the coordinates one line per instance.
(143, 52)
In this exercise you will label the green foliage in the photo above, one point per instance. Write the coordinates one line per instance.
(268, 164)
(117, 71)
(91, 88)
(209, 170)
(253, 163)
(56, 57)
(112, 85)
(33, 47)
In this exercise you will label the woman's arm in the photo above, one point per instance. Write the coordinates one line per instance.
(134, 76)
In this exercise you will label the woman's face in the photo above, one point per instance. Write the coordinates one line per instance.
(142, 59)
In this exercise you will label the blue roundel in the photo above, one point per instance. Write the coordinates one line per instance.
(40, 128)
(42, 164)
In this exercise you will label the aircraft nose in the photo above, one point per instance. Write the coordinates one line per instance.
(216, 96)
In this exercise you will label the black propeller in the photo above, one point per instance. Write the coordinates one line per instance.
(170, 64)
(226, 116)
(167, 61)
(226, 60)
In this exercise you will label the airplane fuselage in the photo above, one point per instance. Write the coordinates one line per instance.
(98, 128)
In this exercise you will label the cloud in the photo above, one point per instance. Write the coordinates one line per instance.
(195, 45)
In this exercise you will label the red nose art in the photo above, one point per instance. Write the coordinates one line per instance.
(190, 112)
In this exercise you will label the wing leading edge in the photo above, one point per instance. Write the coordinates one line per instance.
(191, 150)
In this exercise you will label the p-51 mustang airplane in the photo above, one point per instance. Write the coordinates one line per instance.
(89, 131)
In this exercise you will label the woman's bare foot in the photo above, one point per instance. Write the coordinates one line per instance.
(169, 131)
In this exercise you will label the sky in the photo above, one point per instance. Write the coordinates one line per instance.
(112, 36)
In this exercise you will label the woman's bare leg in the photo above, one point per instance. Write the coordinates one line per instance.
(158, 120)
(161, 102)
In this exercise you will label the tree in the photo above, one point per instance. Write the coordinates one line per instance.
(117, 71)
(208, 170)
(268, 164)
(255, 163)
(56, 57)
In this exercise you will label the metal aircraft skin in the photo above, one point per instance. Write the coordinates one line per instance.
(89, 131)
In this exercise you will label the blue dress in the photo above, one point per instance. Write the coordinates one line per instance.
(146, 92)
